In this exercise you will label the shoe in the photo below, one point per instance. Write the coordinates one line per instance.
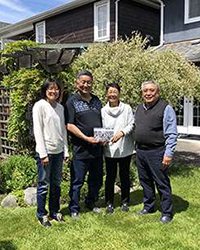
(93, 208)
(57, 217)
(96, 210)
(110, 208)
(165, 219)
(74, 215)
(145, 211)
(44, 221)
(124, 207)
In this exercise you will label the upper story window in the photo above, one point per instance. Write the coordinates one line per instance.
(192, 11)
(40, 32)
(102, 21)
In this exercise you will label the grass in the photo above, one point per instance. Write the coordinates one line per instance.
(19, 228)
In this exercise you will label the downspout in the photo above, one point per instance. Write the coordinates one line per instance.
(161, 25)
(116, 19)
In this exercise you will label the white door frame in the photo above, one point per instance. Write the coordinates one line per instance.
(188, 127)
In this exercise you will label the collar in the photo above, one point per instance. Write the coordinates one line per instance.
(150, 107)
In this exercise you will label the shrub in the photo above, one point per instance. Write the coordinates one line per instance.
(2, 179)
(19, 172)
(129, 64)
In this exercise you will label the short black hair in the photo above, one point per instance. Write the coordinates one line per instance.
(84, 73)
(45, 86)
(113, 85)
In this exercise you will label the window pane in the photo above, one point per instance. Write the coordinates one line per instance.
(40, 33)
(194, 8)
(196, 113)
(102, 21)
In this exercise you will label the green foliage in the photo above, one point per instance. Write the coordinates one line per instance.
(10, 48)
(129, 64)
(19, 172)
(26, 85)
(20, 197)
(2, 179)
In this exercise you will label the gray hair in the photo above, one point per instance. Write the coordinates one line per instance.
(84, 73)
(150, 82)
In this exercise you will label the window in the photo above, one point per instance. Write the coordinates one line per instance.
(192, 11)
(40, 32)
(102, 21)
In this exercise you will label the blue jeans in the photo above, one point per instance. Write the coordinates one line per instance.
(149, 164)
(79, 168)
(49, 176)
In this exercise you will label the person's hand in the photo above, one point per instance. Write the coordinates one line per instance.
(103, 142)
(166, 161)
(92, 140)
(45, 161)
(116, 137)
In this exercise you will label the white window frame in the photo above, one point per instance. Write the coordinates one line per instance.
(44, 31)
(187, 18)
(96, 6)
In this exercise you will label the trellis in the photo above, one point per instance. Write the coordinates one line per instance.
(6, 147)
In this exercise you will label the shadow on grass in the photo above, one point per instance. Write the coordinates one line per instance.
(136, 198)
(7, 245)
(180, 204)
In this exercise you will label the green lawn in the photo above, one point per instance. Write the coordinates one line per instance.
(19, 228)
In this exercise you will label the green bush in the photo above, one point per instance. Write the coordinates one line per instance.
(2, 179)
(19, 172)
(129, 64)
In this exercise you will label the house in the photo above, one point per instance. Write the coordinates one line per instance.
(181, 33)
(87, 21)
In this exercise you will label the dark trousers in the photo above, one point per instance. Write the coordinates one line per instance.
(124, 174)
(79, 168)
(149, 164)
(49, 176)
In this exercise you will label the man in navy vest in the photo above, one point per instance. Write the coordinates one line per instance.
(156, 139)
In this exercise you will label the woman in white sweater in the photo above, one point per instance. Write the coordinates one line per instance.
(118, 151)
(51, 149)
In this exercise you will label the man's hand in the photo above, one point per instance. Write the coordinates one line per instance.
(92, 140)
(116, 137)
(166, 161)
(45, 161)
(103, 142)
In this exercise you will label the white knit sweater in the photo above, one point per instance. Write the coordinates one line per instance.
(49, 129)
(119, 118)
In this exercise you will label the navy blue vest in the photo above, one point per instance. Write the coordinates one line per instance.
(149, 126)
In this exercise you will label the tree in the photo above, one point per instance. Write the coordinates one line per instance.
(129, 64)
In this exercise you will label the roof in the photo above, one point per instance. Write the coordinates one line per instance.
(189, 49)
(27, 24)
(2, 24)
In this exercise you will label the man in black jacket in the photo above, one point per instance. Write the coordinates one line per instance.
(156, 138)
(83, 114)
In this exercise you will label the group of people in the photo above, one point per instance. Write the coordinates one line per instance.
(155, 133)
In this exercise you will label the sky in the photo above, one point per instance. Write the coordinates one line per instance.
(12, 11)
